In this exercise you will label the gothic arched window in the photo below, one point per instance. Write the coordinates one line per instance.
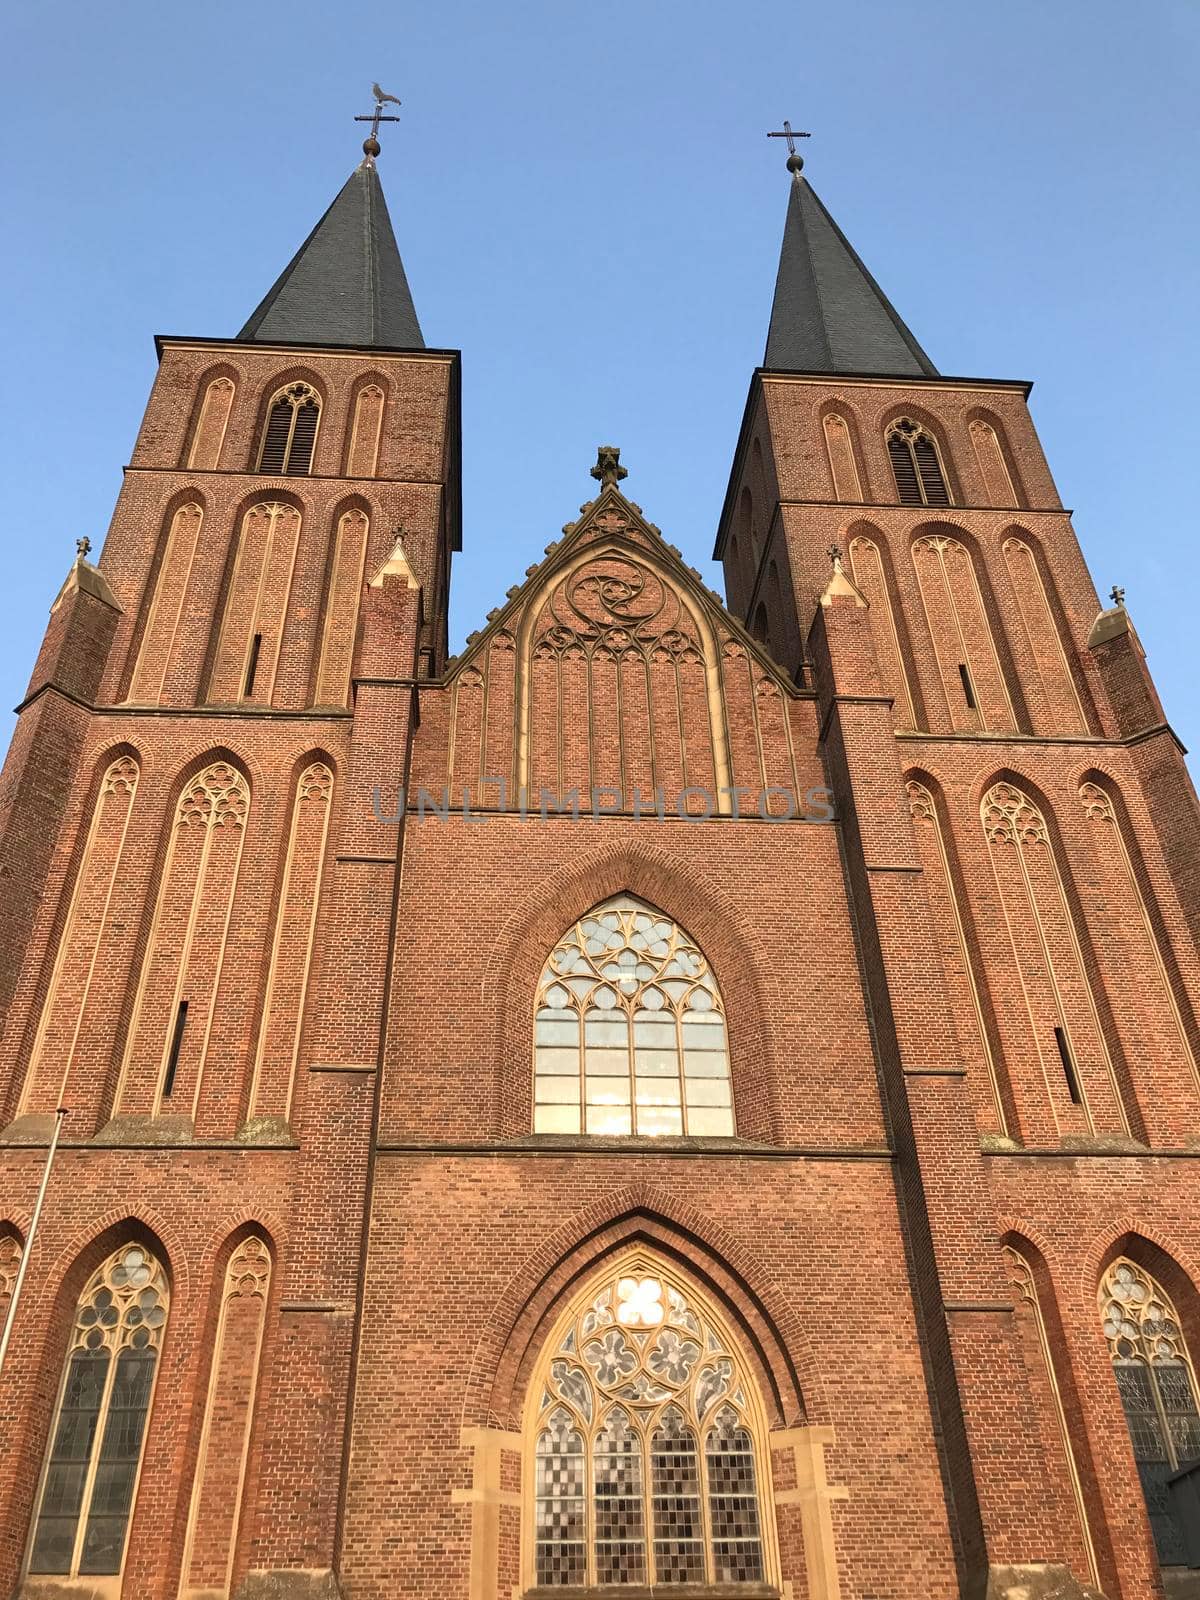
(648, 1448)
(291, 431)
(629, 1031)
(917, 465)
(1158, 1391)
(100, 1423)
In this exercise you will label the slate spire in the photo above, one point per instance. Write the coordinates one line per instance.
(829, 313)
(345, 285)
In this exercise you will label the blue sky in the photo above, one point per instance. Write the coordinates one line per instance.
(589, 210)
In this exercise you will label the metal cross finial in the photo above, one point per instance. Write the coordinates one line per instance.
(83, 546)
(371, 143)
(835, 554)
(608, 466)
(1118, 595)
(794, 162)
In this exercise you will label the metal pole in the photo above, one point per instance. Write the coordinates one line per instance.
(59, 1117)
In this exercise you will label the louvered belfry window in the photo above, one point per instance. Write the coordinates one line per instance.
(291, 432)
(917, 465)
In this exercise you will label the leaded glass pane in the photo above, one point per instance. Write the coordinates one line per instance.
(659, 1119)
(557, 1091)
(561, 1510)
(628, 998)
(62, 1496)
(712, 1122)
(733, 1502)
(556, 1119)
(620, 1513)
(678, 1519)
(87, 1494)
(609, 1120)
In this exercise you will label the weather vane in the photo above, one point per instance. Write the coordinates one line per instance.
(371, 142)
(794, 162)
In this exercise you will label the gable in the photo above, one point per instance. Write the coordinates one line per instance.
(613, 673)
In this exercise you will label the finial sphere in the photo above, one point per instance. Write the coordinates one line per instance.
(795, 163)
(371, 147)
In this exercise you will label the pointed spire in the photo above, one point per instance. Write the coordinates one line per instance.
(346, 283)
(829, 313)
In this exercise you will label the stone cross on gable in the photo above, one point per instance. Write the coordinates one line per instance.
(608, 468)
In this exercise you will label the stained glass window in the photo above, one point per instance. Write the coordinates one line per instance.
(99, 1428)
(1158, 1390)
(646, 1463)
(629, 1034)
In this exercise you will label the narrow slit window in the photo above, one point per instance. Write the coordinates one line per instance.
(176, 1046)
(291, 432)
(252, 666)
(1068, 1066)
(968, 687)
(916, 465)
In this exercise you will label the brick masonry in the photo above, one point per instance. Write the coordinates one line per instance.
(366, 1246)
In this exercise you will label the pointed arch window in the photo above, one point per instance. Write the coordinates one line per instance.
(291, 432)
(99, 1430)
(648, 1445)
(917, 465)
(1158, 1390)
(629, 1031)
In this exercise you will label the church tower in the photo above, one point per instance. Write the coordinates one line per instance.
(188, 799)
(684, 1096)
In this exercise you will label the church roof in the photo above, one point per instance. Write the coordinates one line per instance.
(346, 284)
(829, 313)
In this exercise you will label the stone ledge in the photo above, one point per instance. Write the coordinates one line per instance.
(290, 1583)
(1037, 1580)
(35, 1127)
(265, 1131)
(147, 1130)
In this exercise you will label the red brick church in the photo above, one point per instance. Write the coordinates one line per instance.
(689, 1096)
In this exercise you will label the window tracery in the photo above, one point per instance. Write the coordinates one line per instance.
(99, 1427)
(917, 465)
(645, 1464)
(1157, 1383)
(629, 1032)
(10, 1265)
(291, 431)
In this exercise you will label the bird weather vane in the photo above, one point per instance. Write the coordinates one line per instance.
(794, 161)
(371, 143)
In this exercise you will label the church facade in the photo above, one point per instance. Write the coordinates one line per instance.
(688, 1095)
